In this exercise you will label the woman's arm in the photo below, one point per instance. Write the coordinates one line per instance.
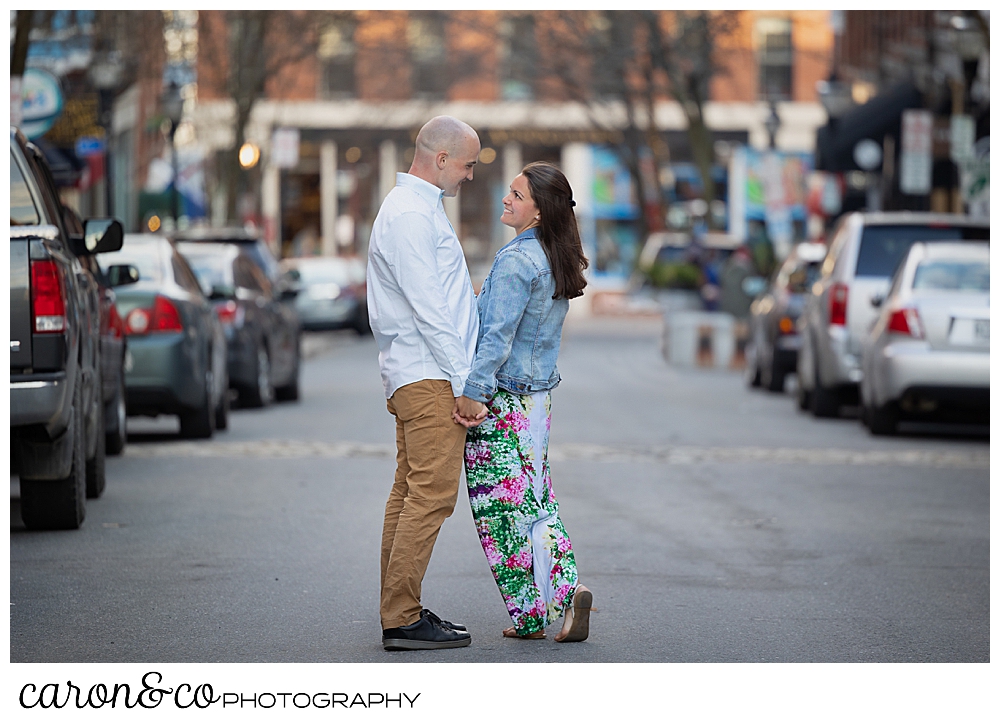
(511, 280)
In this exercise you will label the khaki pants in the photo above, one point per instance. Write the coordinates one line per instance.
(429, 450)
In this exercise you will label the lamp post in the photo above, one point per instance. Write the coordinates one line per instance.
(173, 109)
(106, 75)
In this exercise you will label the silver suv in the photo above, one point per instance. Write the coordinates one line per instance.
(865, 250)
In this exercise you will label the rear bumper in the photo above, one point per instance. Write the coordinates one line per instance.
(952, 377)
(40, 399)
(839, 366)
(164, 375)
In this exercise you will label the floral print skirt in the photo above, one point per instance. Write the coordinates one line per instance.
(516, 512)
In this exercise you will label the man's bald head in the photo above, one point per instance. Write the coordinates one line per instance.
(445, 154)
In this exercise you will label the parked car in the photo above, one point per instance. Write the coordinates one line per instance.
(56, 407)
(263, 363)
(177, 347)
(773, 339)
(332, 292)
(113, 348)
(864, 252)
(928, 355)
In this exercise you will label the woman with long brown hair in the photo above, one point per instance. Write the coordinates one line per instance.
(507, 407)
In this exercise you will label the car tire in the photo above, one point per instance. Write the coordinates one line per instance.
(96, 477)
(884, 420)
(60, 504)
(222, 410)
(751, 371)
(262, 393)
(776, 378)
(803, 398)
(115, 438)
(290, 392)
(199, 423)
(824, 402)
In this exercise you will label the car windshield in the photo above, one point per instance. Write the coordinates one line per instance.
(144, 256)
(884, 247)
(324, 273)
(952, 276)
(212, 269)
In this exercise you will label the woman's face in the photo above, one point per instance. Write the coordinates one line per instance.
(519, 209)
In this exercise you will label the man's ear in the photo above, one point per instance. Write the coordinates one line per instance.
(442, 158)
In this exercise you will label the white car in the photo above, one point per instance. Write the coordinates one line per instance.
(865, 250)
(927, 355)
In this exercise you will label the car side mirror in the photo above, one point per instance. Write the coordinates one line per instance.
(876, 300)
(102, 235)
(122, 275)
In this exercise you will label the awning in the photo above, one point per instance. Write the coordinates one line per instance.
(65, 166)
(875, 119)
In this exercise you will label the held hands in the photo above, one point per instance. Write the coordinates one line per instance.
(468, 412)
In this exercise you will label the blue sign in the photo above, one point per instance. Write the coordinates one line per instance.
(89, 146)
(41, 102)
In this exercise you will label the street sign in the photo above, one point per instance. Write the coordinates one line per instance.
(41, 102)
(285, 147)
(88, 146)
(963, 137)
(867, 154)
(915, 158)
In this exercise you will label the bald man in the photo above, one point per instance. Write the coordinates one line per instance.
(422, 310)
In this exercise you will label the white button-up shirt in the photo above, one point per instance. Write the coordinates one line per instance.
(421, 303)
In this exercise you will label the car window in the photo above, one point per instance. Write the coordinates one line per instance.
(244, 276)
(144, 257)
(884, 247)
(325, 273)
(952, 276)
(183, 275)
(213, 270)
(22, 207)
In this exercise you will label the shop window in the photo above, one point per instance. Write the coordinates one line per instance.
(428, 55)
(774, 58)
(337, 53)
(518, 58)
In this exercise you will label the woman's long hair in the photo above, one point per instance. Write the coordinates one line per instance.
(557, 229)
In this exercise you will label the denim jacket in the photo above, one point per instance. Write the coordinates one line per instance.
(520, 324)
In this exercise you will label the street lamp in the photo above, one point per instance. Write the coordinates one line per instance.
(173, 109)
(772, 123)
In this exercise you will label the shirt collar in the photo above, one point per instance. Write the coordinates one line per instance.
(429, 191)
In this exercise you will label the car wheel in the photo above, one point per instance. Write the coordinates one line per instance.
(290, 392)
(96, 478)
(222, 410)
(60, 504)
(262, 393)
(115, 436)
(776, 379)
(751, 372)
(824, 402)
(200, 423)
(883, 420)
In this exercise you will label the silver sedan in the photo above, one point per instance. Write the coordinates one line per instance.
(927, 355)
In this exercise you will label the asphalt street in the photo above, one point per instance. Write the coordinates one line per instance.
(713, 523)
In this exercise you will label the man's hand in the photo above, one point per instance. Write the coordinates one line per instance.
(468, 412)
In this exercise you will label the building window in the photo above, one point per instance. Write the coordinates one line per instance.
(337, 52)
(518, 58)
(774, 58)
(428, 55)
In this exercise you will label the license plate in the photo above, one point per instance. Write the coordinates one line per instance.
(981, 330)
(970, 332)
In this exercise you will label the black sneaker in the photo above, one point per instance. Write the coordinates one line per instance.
(425, 634)
(425, 613)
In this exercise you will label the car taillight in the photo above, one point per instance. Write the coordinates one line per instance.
(48, 298)
(230, 313)
(162, 317)
(838, 305)
(906, 321)
(786, 325)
